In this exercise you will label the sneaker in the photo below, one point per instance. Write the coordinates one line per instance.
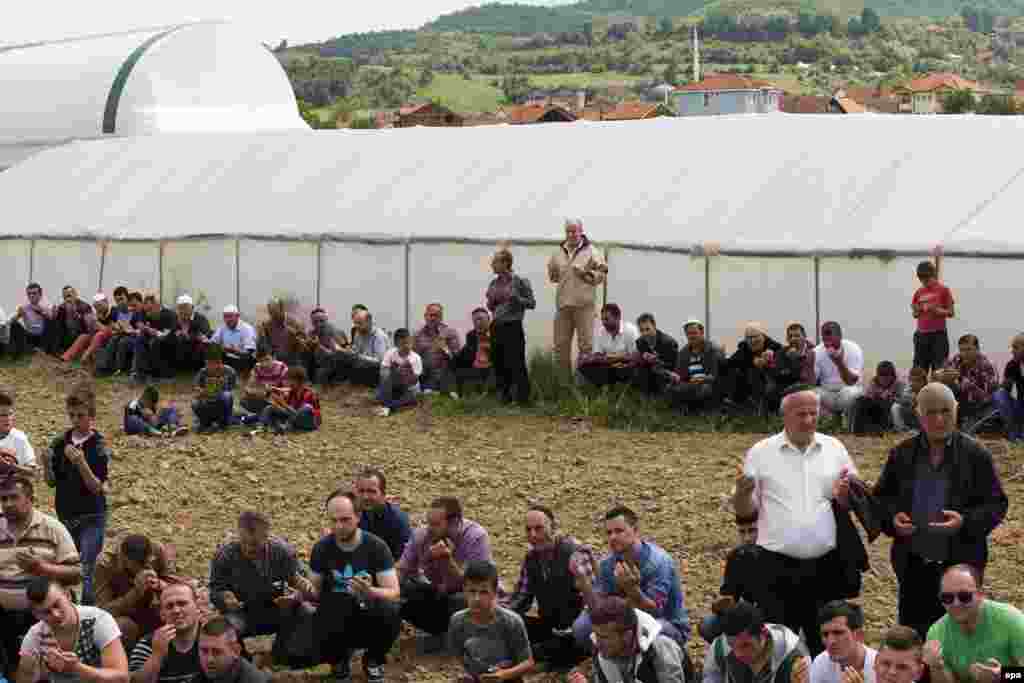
(180, 431)
(383, 411)
(341, 672)
(374, 674)
(453, 395)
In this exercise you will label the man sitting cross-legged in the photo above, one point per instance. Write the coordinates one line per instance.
(220, 655)
(697, 383)
(753, 369)
(658, 353)
(436, 343)
(282, 333)
(256, 582)
(546, 577)
(361, 364)
(355, 580)
(490, 640)
(149, 355)
(751, 650)
(171, 653)
(431, 568)
(614, 352)
(872, 412)
(978, 637)
(128, 581)
(972, 377)
(904, 410)
(842, 632)
(473, 364)
(185, 347)
(214, 385)
(325, 345)
(631, 646)
(838, 371)
(238, 338)
(117, 355)
(33, 326)
(637, 570)
(70, 643)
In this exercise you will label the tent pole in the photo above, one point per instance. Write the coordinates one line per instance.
(31, 260)
(103, 264)
(607, 262)
(238, 271)
(707, 295)
(319, 265)
(817, 298)
(408, 302)
(160, 270)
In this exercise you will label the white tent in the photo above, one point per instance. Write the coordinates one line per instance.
(190, 77)
(816, 217)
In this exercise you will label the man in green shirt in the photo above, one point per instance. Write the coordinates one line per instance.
(977, 637)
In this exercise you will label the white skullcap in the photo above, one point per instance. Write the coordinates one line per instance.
(230, 308)
(100, 296)
(184, 299)
(693, 321)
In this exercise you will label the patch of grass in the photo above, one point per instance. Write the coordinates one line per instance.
(619, 407)
(461, 95)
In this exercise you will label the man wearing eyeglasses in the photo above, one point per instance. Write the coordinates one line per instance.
(977, 637)
(939, 497)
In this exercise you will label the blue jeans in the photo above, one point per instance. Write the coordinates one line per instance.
(302, 421)
(393, 395)
(219, 410)
(88, 532)
(1012, 411)
(133, 424)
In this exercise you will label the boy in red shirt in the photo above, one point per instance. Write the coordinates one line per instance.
(931, 305)
(295, 407)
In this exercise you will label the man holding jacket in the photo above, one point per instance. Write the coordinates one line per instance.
(577, 268)
(939, 496)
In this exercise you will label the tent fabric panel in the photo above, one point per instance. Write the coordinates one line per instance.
(14, 276)
(135, 265)
(987, 294)
(285, 270)
(203, 269)
(670, 286)
(372, 275)
(57, 263)
(770, 291)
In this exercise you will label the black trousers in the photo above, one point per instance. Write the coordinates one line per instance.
(603, 375)
(14, 624)
(345, 625)
(557, 651)
(931, 350)
(511, 377)
(871, 415)
(22, 341)
(428, 609)
(918, 601)
(795, 590)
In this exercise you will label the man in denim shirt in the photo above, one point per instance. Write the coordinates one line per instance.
(639, 571)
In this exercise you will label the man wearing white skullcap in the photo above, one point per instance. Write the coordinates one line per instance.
(185, 347)
(238, 339)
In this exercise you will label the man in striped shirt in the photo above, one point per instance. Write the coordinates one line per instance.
(31, 544)
(171, 653)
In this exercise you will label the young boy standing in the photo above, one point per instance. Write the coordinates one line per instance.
(16, 453)
(76, 467)
(931, 306)
(491, 640)
(400, 373)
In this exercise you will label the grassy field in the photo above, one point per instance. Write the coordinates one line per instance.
(189, 491)
(461, 95)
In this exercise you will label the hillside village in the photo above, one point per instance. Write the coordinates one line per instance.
(517, 64)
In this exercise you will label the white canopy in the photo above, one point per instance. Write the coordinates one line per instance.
(754, 184)
(191, 77)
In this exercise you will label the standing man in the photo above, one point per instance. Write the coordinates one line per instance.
(931, 306)
(790, 480)
(509, 296)
(939, 497)
(577, 268)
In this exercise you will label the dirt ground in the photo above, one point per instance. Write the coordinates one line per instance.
(189, 491)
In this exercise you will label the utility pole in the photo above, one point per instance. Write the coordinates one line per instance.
(696, 56)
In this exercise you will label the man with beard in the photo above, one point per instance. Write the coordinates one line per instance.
(546, 577)
(171, 653)
(357, 586)
(220, 655)
(326, 344)
(380, 517)
(31, 544)
(431, 568)
(842, 633)
(70, 643)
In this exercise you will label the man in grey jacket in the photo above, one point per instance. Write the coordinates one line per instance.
(746, 639)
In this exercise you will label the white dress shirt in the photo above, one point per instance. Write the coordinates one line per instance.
(623, 342)
(825, 371)
(793, 493)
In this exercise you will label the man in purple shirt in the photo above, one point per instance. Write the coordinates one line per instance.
(437, 345)
(431, 567)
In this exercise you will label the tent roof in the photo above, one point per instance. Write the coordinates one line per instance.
(755, 183)
(192, 77)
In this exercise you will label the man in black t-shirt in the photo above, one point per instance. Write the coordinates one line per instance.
(355, 579)
(171, 653)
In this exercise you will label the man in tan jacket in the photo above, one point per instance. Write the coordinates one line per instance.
(577, 268)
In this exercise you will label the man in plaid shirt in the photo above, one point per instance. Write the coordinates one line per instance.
(973, 379)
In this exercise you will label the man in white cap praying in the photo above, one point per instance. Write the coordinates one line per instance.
(185, 347)
(238, 338)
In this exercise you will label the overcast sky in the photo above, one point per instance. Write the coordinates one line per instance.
(299, 22)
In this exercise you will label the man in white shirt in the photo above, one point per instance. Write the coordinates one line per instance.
(790, 481)
(838, 371)
(614, 354)
(842, 632)
(16, 453)
(238, 339)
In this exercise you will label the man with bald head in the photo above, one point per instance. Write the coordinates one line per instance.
(939, 497)
(360, 363)
(790, 482)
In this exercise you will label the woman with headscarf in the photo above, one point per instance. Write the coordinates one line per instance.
(752, 368)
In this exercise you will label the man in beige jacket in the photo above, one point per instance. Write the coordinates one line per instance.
(577, 268)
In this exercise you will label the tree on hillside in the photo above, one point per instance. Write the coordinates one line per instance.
(1000, 105)
(959, 102)
(515, 88)
(426, 78)
(870, 21)
(671, 73)
(665, 27)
